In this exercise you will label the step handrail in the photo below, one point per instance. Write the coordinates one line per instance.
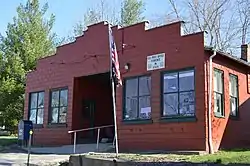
(90, 128)
(86, 129)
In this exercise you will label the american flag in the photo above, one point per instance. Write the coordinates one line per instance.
(115, 71)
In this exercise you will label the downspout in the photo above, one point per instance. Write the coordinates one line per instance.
(210, 138)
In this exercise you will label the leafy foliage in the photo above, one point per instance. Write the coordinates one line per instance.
(78, 29)
(131, 12)
(27, 39)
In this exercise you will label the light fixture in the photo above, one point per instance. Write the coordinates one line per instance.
(127, 66)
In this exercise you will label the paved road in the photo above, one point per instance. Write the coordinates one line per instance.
(15, 157)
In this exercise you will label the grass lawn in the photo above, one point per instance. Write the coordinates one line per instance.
(223, 157)
(7, 140)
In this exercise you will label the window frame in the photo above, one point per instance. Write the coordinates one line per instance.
(37, 108)
(177, 116)
(237, 95)
(59, 107)
(222, 113)
(138, 96)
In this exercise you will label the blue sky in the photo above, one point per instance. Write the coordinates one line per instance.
(69, 12)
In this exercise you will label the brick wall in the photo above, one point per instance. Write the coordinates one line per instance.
(90, 55)
(229, 132)
(181, 52)
(80, 58)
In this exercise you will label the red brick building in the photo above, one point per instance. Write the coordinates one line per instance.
(164, 101)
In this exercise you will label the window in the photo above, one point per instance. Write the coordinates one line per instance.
(178, 93)
(137, 98)
(234, 99)
(218, 93)
(58, 106)
(36, 107)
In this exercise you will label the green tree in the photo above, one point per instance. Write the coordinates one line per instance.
(30, 36)
(27, 39)
(92, 16)
(131, 12)
(11, 92)
(78, 29)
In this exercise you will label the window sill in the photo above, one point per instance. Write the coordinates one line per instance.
(217, 115)
(178, 119)
(138, 121)
(57, 125)
(37, 126)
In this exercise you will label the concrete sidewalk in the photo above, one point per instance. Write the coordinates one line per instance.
(44, 156)
(18, 157)
(69, 149)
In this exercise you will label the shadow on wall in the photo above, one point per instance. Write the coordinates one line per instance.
(237, 133)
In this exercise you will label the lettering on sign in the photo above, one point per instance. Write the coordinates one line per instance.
(156, 61)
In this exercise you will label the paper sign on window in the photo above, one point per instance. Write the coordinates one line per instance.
(145, 112)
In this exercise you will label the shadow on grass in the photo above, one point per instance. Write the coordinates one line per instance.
(231, 157)
(89, 161)
(182, 164)
(7, 141)
(186, 163)
(237, 150)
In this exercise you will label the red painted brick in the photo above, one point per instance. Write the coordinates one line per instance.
(77, 59)
(89, 55)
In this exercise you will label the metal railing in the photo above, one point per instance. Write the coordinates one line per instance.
(87, 129)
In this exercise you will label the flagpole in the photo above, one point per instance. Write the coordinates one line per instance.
(114, 107)
(113, 96)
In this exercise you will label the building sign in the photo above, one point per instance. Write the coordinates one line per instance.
(156, 61)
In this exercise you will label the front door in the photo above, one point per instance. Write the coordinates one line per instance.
(89, 113)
